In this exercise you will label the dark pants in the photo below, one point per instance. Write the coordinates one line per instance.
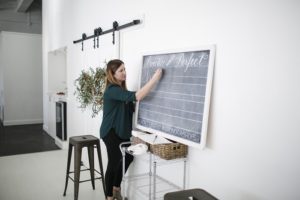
(113, 175)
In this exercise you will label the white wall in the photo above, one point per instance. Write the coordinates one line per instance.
(252, 149)
(22, 61)
(1, 83)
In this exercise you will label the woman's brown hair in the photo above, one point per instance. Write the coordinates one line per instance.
(111, 68)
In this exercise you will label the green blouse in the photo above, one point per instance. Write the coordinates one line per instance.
(117, 111)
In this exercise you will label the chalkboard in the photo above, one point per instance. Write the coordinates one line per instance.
(178, 107)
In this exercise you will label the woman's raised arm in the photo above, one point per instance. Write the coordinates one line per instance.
(141, 93)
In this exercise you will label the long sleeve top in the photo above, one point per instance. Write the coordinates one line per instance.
(117, 111)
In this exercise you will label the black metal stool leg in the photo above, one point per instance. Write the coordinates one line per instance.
(68, 167)
(77, 163)
(101, 167)
(79, 142)
(91, 161)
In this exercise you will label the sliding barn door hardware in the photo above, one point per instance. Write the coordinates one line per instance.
(98, 32)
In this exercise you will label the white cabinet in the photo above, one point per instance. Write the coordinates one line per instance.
(51, 129)
(51, 117)
(56, 83)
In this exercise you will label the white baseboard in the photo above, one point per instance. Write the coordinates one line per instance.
(45, 128)
(22, 122)
(61, 144)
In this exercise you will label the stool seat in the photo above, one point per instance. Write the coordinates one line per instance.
(191, 194)
(79, 142)
(84, 140)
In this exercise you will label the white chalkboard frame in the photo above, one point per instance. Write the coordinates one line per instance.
(202, 142)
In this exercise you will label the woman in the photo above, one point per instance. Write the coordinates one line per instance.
(117, 121)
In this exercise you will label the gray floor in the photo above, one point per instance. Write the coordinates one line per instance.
(41, 176)
(22, 139)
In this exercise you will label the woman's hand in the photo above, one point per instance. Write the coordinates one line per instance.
(157, 74)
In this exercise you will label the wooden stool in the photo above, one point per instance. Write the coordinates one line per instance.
(79, 142)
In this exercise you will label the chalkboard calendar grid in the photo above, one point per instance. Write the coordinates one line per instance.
(177, 108)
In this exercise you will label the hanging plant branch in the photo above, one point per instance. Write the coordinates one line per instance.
(89, 89)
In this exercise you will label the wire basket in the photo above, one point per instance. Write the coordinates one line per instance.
(165, 151)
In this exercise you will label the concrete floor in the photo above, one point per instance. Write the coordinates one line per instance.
(41, 176)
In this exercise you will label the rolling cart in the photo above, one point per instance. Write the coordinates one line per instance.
(153, 179)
